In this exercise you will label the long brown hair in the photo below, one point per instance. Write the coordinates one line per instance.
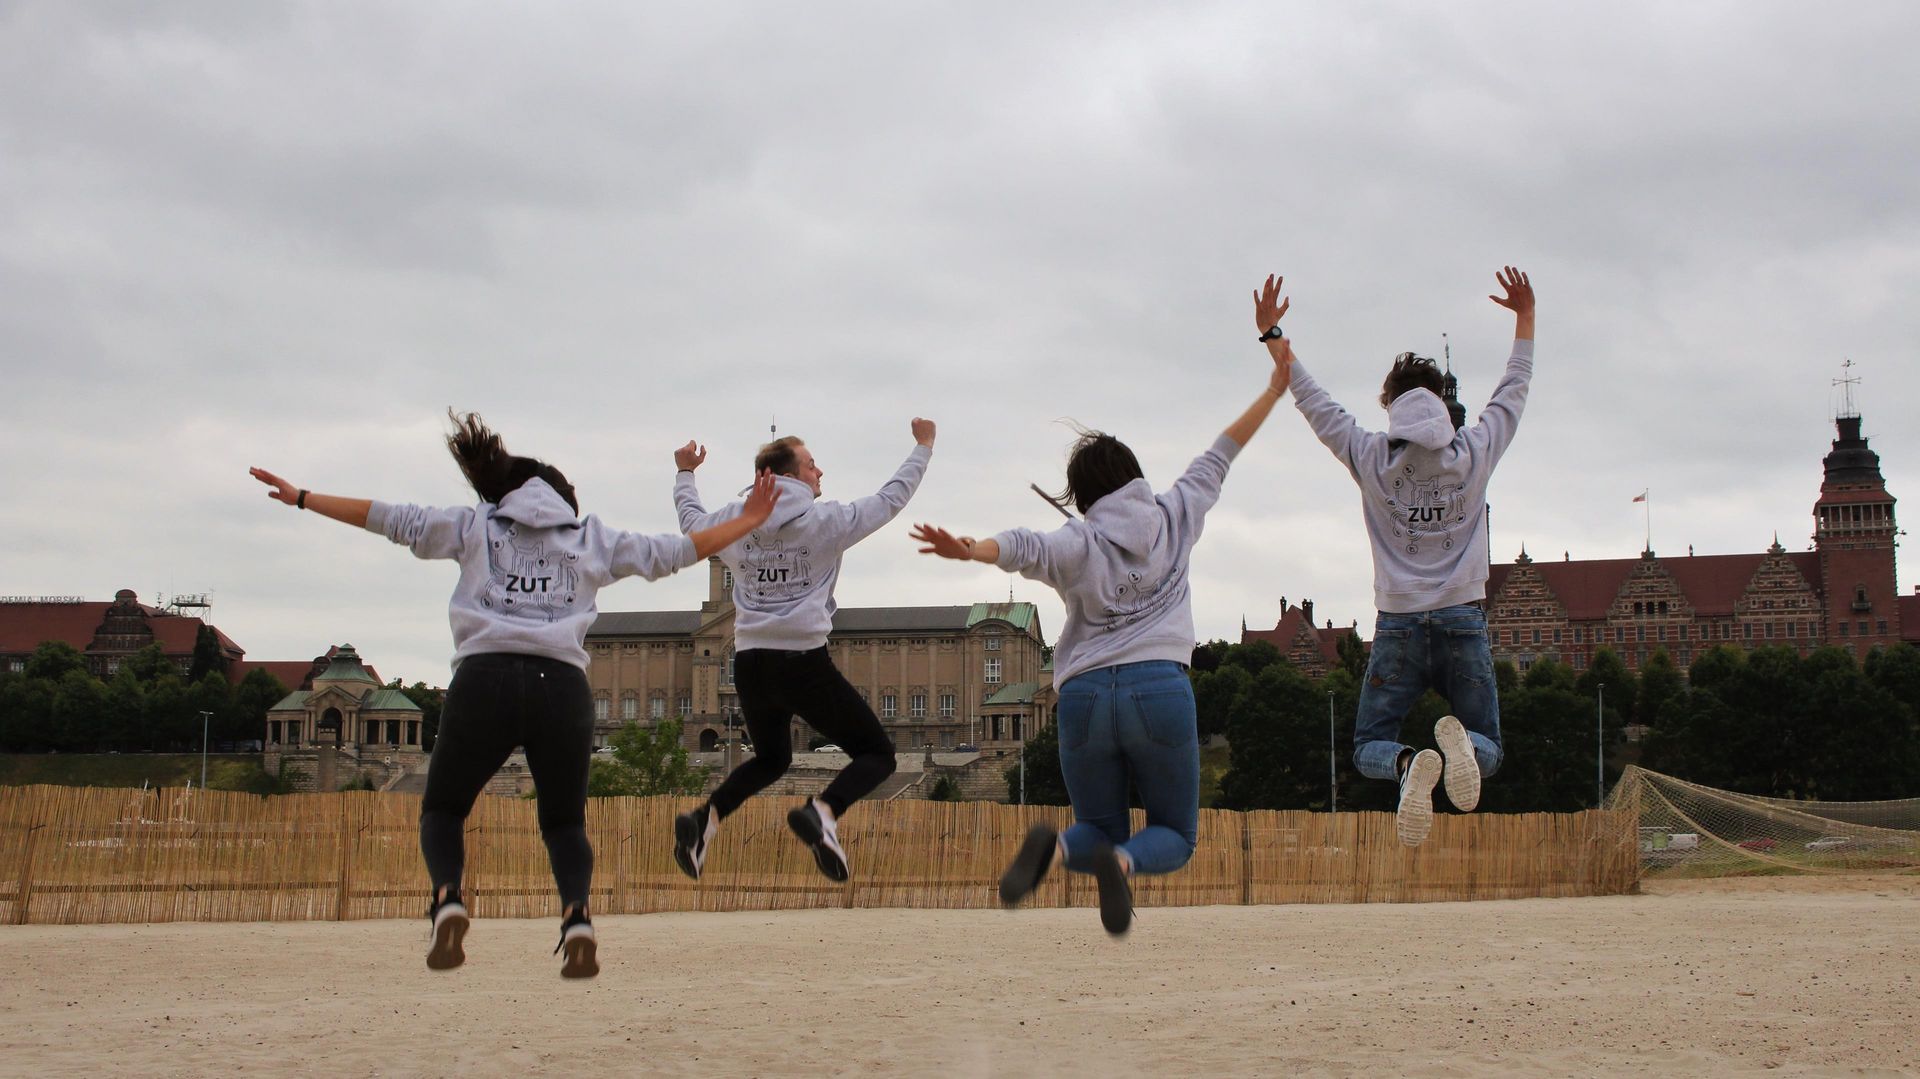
(1098, 465)
(493, 472)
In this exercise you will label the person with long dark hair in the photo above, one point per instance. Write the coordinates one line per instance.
(530, 569)
(1126, 709)
(783, 580)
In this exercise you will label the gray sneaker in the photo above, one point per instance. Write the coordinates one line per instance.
(1414, 819)
(1463, 769)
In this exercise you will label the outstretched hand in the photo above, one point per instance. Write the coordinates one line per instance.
(1519, 297)
(1269, 307)
(282, 490)
(923, 431)
(688, 457)
(760, 501)
(941, 542)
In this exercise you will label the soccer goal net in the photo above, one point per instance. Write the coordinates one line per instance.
(1690, 830)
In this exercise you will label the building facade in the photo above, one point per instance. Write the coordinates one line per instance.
(346, 724)
(938, 677)
(1313, 649)
(105, 633)
(1842, 592)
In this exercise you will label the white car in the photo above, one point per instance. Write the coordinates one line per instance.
(828, 748)
(1830, 842)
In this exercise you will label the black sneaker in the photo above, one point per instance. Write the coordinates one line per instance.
(450, 922)
(819, 831)
(1116, 895)
(1029, 867)
(690, 834)
(577, 940)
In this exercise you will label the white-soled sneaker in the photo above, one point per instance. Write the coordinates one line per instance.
(577, 941)
(691, 833)
(1462, 776)
(813, 822)
(450, 922)
(1414, 819)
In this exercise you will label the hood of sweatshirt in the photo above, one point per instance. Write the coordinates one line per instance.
(536, 505)
(796, 498)
(1128, 518)
(1420, 417)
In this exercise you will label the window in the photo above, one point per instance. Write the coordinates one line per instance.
(16, 665)
(946, 739)
(1556, 635)
(1769, 631)
(657, 708)
(1883, 627)
(1746, 631)
(946, 706)
(728, 675)
(889, 706)
(629, 708)
(918, 739)
(1686, 656)
(1536, 636)
(686, 704)
(993, 644)
(1683, 633)
(1793, 629)
(601, 706)
(1619, 634)
(1639, 633)
(1661, 632)
(726, 580)
(1843, 628)
(1863, 627)
(919, 706)
(993, 670)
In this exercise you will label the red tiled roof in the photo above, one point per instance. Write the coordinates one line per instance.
(1711, 583)
(292, 673)
(25, 626)
(1287, 631)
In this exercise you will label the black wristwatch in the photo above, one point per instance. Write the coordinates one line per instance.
(1273, 334)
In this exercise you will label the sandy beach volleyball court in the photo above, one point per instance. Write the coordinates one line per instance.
(1782, 975)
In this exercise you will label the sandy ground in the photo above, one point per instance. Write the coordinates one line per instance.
(1788, 976)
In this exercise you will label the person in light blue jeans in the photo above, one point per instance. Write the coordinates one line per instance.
(1126, 707)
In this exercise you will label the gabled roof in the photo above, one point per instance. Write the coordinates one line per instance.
(25, 626)
(1285, 635)
(1711, 583)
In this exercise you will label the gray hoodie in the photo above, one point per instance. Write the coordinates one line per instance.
(529, 570)
(784, 571)
(1423, 485)
(1122, 571)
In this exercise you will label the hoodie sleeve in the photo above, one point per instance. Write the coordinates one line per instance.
(1198, 488)
(631, 554)
(427, 531)
(1495, 429)
(1055, 558)
(864, 516)
(1333, 425)
(693, 515)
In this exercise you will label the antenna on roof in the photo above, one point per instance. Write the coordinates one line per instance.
(1847, 381)
(1446, 347)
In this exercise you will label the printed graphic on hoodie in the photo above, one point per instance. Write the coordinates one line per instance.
(1423, 508)
(527, 580)
(777, 570)
(1146, 601)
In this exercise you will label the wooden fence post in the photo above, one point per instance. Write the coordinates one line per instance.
(345, 863)
(1246, 859)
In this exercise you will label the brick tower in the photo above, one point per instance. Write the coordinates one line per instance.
(1854, 535)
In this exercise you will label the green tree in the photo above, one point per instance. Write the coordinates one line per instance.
(1207, 657)
(431, 701)
(1217, 694)
(79, 713)
(1278, 718)
(1549, 746)
(126, 712)
(944, 790)
(1353, 653)
(646, 761)
(256, 693)
(207, 656)
(150, 664)
(53, 660)
(1045, 785)
(1609, 670)
(1252, 657)
(1660, 685)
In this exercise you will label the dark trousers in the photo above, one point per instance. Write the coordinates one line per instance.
(775, 685)
(499, 701)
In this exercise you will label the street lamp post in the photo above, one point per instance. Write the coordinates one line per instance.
(1600, 747)
(206, 719)
(1333, 753)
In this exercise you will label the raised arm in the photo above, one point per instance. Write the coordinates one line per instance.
(1518, 299)
(1269, 307)
(686, 491)
(350, 511)
(427, 531)
(941, 542)
(1495, 429)
(866, 515)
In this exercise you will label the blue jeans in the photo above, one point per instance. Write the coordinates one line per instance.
(1135, 719)
(1445, 651)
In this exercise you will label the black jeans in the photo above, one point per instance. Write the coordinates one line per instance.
(499, 701)
(775, 685)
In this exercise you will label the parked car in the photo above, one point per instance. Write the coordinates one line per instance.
(966, 747)
(1830, 842)
(828, 748)
(1760, 843)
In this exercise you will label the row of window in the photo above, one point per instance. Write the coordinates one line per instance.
(1772, 630)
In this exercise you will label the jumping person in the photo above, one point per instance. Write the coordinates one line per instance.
(1423, 494)
(530, 568)
(783, 579)
(1126, 706)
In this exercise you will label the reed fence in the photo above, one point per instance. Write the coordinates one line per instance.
(88, 855)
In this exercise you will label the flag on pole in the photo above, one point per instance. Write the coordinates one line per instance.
(1642, 496)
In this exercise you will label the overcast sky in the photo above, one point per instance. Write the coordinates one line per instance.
(290, 235)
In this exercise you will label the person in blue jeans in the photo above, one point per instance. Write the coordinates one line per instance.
(1423, 493)
(1126, 706)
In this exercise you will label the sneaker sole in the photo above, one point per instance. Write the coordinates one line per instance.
(1462, 774)
(581, 961)
(1029, 867)
(808, 830)
(1414, 817)
(686, 836)
(1116, 895)
(446, 952)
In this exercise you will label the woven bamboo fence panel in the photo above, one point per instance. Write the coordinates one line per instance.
(79, 854)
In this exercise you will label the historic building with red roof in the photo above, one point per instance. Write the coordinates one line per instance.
(1313, 649)
(1842, 592)
(105, 633)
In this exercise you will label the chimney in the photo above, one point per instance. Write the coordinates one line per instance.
(1306, 610)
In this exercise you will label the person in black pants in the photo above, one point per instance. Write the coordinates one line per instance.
(784, 574)
(530, 569)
